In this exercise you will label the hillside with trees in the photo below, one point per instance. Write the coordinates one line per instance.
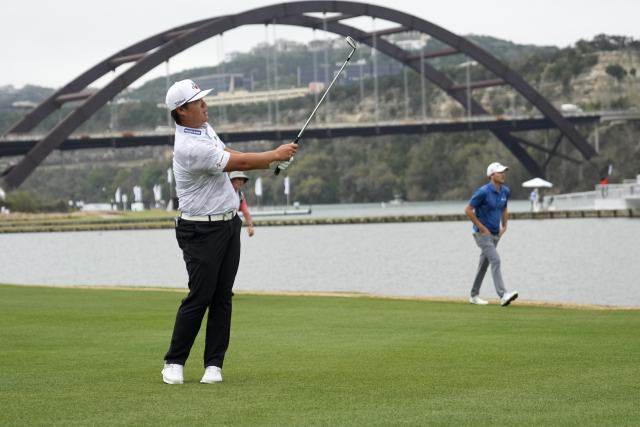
(596, 74)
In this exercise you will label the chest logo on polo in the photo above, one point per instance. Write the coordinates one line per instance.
(192, 131)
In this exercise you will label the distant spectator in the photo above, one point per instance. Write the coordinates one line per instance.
(533, 197)
(238, 179)
(604, 182)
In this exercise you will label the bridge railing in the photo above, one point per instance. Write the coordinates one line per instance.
(573, 201)
(628, 189)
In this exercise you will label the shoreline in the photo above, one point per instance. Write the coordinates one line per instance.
(492, 301)
(162, 223)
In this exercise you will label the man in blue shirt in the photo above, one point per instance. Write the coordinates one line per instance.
(486, 209)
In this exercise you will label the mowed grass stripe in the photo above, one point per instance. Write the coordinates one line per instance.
(93, 357)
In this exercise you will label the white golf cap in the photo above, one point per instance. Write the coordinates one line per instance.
(239, 174)
(496, 167)
(182, 92)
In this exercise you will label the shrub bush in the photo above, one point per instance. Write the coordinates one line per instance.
(616, 71)
(22, 201)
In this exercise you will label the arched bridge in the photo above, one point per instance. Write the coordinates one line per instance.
(151, 52)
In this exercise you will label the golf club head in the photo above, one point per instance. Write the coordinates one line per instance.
(351, 42)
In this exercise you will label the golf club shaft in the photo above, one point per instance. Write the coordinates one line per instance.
(277, 171)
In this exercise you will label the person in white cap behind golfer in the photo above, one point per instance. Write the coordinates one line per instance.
(208, 229)
(238, 179)
(486, 209)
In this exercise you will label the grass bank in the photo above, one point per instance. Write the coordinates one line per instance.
(104, 221)
(93, 357)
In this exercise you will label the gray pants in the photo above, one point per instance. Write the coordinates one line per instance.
(489, 255)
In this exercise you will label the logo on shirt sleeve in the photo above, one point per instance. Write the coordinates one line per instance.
(192, 131)
(219, 162)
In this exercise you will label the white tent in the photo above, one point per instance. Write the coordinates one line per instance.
(537, 183)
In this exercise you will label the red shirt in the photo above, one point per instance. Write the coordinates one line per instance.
(605, 181)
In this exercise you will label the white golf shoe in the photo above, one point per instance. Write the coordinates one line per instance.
(508, 297)
(172, 373)
(478, 301)
(212, 375)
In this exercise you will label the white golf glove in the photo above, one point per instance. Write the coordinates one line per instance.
(280, 164)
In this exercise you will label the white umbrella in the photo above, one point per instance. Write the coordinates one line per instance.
(537, 183)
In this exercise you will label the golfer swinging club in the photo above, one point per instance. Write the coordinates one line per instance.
(208, 229)
(490, 205)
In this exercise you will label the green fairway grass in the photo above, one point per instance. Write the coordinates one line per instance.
(83, 357)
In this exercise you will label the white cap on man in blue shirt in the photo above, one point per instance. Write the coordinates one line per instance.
(182, 92)
(496, 167)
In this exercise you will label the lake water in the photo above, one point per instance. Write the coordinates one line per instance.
(565, 260)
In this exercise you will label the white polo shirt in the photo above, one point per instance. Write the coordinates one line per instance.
(198, 163)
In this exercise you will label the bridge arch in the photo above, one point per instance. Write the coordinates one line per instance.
(153, 51)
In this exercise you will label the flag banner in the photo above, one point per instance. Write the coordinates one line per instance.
(169, 176)
(137, 193)
(157, 192)
(258, 188)
(118, 195)
(286, 185)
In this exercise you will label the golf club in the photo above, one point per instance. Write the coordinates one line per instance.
(352, 43)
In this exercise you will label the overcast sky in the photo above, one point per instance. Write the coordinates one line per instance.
(48, 43)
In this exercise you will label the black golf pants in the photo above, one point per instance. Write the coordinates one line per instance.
(212, 253)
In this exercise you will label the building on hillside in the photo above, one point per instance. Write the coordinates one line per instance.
(231, 56)
(411, 45)
(227, 82)
(352, 73)
(262, 49)
(243, 97)
(283, 45)
(316, 45)
(410, 40)
(23, 105)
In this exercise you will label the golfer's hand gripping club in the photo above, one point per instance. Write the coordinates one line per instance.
(284, 154)
(278, 169)
(352, 44)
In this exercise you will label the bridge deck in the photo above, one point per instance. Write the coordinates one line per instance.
(16, 145)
